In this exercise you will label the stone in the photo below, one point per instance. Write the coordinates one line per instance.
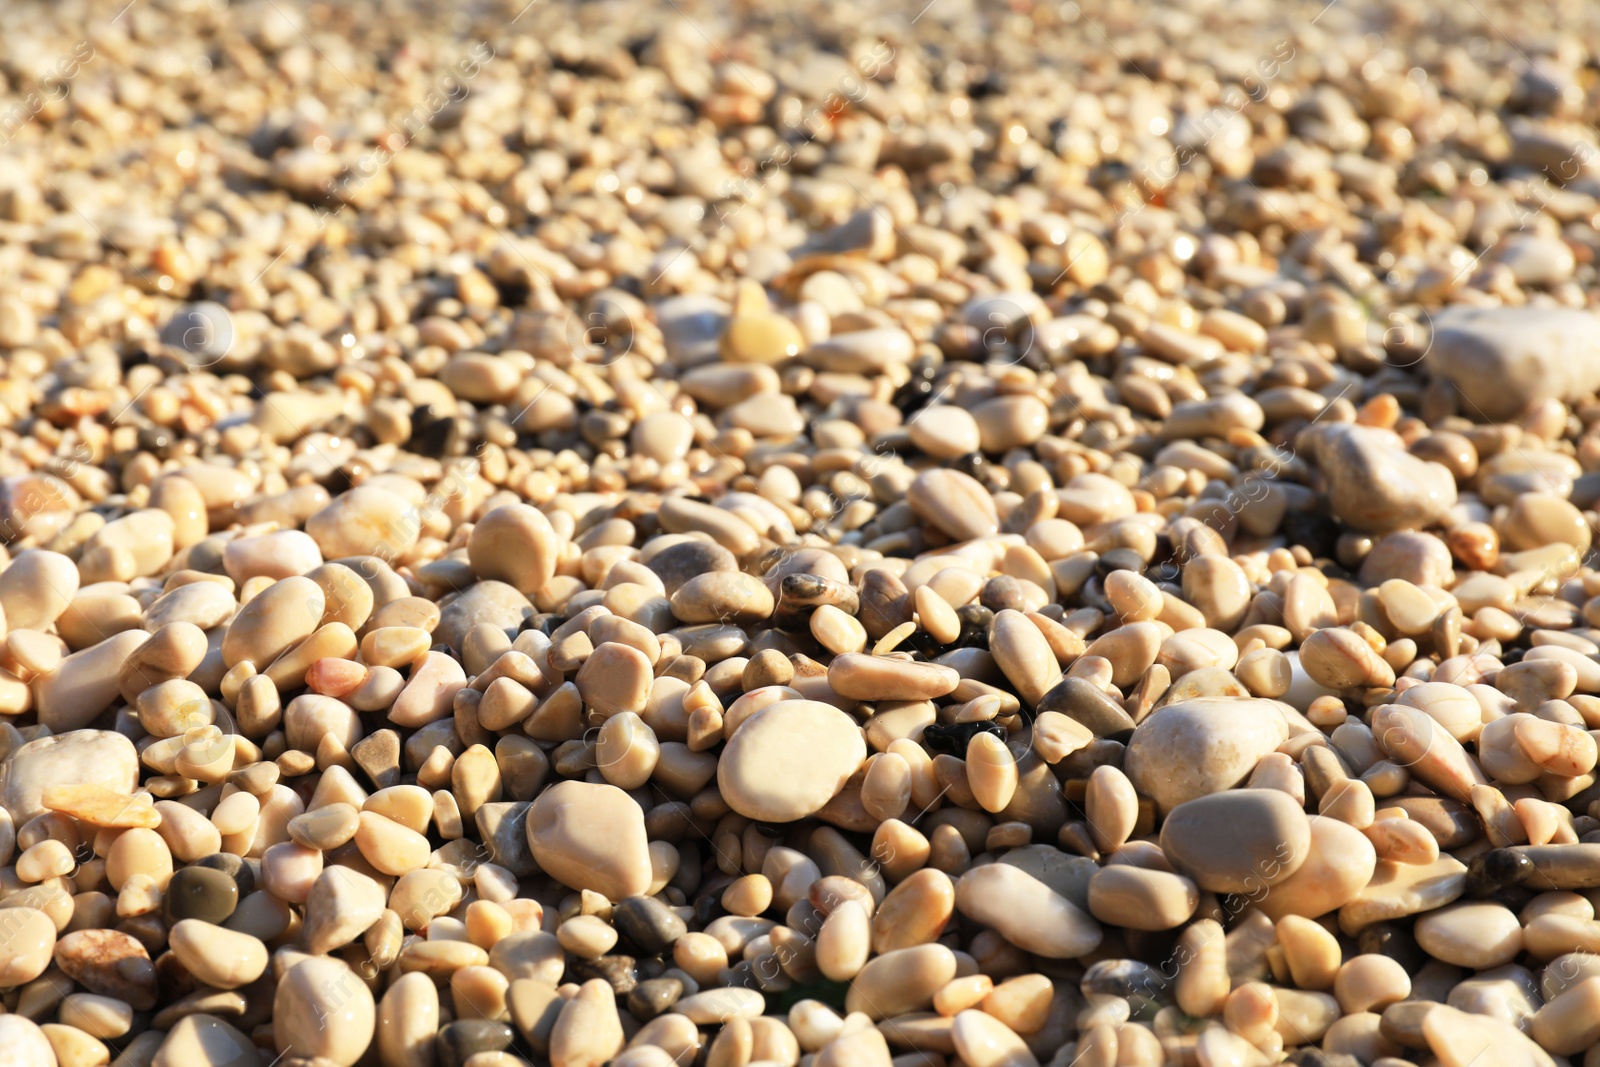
(84, 684)
(279, 617)
(1237, 841)
(217, 957)
(1474, 934)
(1458, 1039)
(1026, 912)
(110, 963)
(202, 1038)
(944, 431)
(875, 678)
(493, 602)
(786, 761)
(591, 837)
(954, 503)
(341, 905)
(200, 893)
(1340, 864)
(365, 520)
(36, 587)
(23, 1044)
(1198, 747)
(322, 1008)
(27, 944)
(1373, 483)
(1504, 359)
(84, 757)
(514, 544)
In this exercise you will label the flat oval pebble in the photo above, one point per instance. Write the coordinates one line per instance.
(1238, 841)
(788, 760)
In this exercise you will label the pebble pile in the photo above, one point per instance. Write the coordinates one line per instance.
(1010, 536)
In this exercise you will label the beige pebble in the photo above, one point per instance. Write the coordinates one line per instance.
(322, 1008)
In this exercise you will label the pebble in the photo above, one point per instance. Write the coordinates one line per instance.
(1505, 359)
(84, 757)
(1026, 912)
(1203, 746)
(1374, 484)
(514, 544)
(785, 762)
(1238, 841)
(321, 1008)
(955, 504)
(591, 837)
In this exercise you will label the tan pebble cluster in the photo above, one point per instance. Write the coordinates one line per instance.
(1020, 535)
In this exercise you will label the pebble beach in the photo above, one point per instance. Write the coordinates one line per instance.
(953, 534)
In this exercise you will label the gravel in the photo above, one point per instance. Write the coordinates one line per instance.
(824, 536)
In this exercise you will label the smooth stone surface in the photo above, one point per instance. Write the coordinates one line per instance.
(1238, 841)
(788, 760)
(1339, 866)
(591, 837)
(1504, 359)
(27, 942)
(954, 503)
(1026, 912)
(322, 1008)
(200, 893)
(365, 521)
(1474, 934)
(1198, 747)
(1373, 483)
(84, 684)
(514, 544)
(205, 1039)
(85, 757)
(23, 1044)
(110, 963)
(493, 602)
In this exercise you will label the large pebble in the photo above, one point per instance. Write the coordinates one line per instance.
(1237, 841)
(515, 544)
(591, 837)
(1026, 912)
(323, 1009)
(1198, 747)
(788, 760)
(279, 617)
(1374, 484)
(85, 683)
(954, 503)
(1503, 359)
(365, 521)
(83, 757)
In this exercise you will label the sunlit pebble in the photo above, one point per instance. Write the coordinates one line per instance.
(1183, 248)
